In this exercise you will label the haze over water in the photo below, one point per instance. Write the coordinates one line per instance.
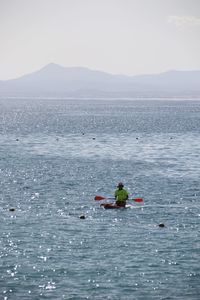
(56, 155)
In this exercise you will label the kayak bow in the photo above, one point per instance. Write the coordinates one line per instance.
(113, 206)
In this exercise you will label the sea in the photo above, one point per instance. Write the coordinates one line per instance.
(57, 242)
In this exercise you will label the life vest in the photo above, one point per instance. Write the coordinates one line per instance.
(121, 195)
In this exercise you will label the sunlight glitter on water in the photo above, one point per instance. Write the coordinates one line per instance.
(50, 173)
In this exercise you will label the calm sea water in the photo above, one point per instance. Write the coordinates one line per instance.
(55, 156)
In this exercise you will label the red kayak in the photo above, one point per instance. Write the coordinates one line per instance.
(113, 206)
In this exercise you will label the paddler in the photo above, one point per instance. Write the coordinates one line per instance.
(121, 195)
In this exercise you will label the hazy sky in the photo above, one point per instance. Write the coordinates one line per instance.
(117, 36)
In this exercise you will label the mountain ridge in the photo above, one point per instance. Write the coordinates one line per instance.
(55, 80)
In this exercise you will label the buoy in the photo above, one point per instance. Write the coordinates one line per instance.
(12, 209)
(161, 225)
(82, 217)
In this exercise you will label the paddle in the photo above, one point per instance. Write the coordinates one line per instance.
(99, 198)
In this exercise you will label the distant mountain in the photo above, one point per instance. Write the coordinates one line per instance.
(57, 81)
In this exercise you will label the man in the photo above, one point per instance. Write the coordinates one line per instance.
(121, 195)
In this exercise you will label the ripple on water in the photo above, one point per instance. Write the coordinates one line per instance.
(50, 173)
